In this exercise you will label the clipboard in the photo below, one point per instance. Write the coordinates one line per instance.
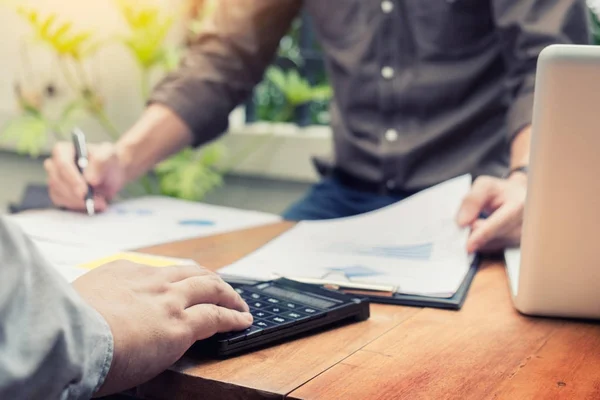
(387, 297)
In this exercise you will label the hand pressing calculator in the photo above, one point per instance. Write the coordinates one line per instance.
(284, 308)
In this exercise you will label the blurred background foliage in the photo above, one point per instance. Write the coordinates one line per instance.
(192, 173)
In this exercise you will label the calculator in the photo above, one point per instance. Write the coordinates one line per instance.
(283, 309)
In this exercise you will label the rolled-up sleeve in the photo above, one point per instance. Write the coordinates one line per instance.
(227, 59)
(52, 344)
(525, 27)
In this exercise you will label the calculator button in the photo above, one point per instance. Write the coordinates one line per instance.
(257, 304)
(309, 311)
(291, 305)
(263, 324)
(275, 309)
(272, 300)
(240, 291)
(255, 296)
(278, 320)
(293, 315)
(260, 314)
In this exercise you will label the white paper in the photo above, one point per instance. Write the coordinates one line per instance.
(69, 238)
(513, 268)
(415, 245)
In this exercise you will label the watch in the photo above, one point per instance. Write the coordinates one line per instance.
(523, 169)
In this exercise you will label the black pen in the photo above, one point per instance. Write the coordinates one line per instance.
(81, 160)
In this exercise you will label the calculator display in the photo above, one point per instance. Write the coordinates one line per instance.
(299, 297)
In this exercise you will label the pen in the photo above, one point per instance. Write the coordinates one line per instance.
(81, 160)
(340, 285)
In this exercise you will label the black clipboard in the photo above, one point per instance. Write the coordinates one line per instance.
(450, 303)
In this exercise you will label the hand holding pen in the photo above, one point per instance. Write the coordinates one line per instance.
(82, 162)
(84, 176)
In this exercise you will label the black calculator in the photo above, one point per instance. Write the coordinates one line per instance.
(282, 309)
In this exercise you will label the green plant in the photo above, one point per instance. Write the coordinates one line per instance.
(296, 91)
(271, 102)
(191, 173)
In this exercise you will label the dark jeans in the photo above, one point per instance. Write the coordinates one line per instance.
(331, 199)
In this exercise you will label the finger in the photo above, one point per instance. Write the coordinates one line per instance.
(100, 203)
(481, 195)
(63, 157)
(497, 225)
(210, 290)
(477, 224)
(208, 319)
(60, 193)
(178, 273)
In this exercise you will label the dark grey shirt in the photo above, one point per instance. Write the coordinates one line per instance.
(425, 90)
(52, 344)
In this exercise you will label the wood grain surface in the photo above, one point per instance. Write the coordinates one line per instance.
(486, 350)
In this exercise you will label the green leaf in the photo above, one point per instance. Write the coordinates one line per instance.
(45, 28)
(595, 27)
(29, 133)
(277, 76)
(320, 93)
(297, 90)
(69, 117)
(60, 36)
(190, 174)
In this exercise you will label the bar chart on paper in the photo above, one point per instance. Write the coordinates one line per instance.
(414, 245)
(406, 252)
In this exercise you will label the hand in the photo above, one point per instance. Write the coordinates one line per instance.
(67, 187)
(156, 314)
(503, 200)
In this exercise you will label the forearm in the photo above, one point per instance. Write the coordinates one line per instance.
(158, 134)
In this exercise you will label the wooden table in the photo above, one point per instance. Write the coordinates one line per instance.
(486, 350)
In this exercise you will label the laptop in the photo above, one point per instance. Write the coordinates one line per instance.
(557, 272)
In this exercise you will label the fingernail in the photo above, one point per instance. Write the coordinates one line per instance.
(248, 317)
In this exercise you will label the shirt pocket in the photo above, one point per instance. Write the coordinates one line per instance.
(451, 27)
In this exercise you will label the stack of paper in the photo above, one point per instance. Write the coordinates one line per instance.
(69, 239)
(414, 246)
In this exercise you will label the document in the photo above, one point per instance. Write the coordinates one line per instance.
(69, 239)
(414, 246)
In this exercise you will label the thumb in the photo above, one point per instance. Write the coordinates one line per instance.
(101, 158)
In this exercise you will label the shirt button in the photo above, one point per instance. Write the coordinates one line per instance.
(391, 185)
(391, 135)
(387, 6)
(387, 72)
